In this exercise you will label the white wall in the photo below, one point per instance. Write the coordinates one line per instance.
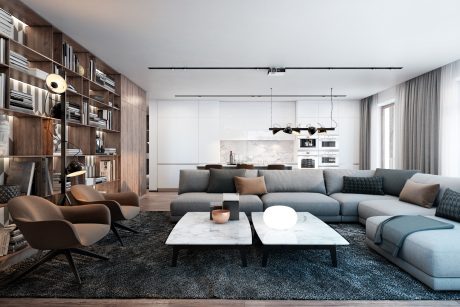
(189, 132)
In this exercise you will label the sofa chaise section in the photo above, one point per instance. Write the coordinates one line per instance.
(430, 256)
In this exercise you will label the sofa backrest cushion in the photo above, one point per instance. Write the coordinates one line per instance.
(394, 179)
(310, 180)
(191, 180)
(452, 183)
(334, 178)
(221, 180)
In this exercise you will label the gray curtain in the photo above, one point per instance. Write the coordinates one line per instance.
(420, 99)
(365, 134)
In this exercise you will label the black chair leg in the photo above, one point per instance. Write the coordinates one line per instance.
(115, 231)
(69, 257)
(87, 253)
(49, 256)
(125, 227)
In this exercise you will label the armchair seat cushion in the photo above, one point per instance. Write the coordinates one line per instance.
(129, 212)
(91, 233)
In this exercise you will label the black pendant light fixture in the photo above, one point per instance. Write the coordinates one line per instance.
(297, 130)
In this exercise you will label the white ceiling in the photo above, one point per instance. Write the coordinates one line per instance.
(131, 35)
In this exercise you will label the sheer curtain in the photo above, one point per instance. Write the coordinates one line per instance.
(449, 152)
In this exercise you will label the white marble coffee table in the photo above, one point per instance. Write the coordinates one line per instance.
(309, 233)
(196, 231)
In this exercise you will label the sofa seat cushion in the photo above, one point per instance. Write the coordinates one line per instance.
(349, 202)
(434, 252)
(315, 203)
(199, 202)
(391, 207)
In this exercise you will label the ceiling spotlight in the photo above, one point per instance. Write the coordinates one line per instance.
(276, 71)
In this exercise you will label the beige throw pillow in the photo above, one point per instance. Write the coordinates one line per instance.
(420, 194)
(250, 186)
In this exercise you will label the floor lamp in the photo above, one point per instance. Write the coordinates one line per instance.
(56, 84)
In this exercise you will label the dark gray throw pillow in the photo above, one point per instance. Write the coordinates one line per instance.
(449, 207)
(363, 185)
(394, 179)
(221, 180)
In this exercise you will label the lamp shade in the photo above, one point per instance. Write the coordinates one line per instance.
(280, 217)
(56, 84)
(74, 168)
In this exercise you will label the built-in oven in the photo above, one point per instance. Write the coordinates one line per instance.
(328, 159)
(307, 159)
(328, 143)
(306, 143)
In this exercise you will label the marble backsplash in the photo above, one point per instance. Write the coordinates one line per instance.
(258, 152)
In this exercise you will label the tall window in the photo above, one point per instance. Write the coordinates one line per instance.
(388, 136)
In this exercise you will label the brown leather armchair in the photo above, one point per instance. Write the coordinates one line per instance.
(122, 206)
(62, 230)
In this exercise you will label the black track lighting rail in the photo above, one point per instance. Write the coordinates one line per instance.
(268, 68)
(260, 96)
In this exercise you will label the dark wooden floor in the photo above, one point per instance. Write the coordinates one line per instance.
(160, 202)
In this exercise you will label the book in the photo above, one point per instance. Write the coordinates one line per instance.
(4, 241)
(105, 169)
(22, 174)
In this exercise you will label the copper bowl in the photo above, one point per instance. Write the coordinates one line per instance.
(220, 216)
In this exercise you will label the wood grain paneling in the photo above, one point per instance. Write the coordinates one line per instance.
(133, 137)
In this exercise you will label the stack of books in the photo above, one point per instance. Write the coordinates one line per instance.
(57, 183)
(105, 80)
(110, 151)
(38, 73)
(71, 88)
(2, 89)
(95, 120)
(17, 241)
(19, 61)
(70, 152)
(21, 101)
(2, 50)
(74, 112)
(6, 23)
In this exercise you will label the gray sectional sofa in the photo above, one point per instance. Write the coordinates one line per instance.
(315, 191)
(430, 256)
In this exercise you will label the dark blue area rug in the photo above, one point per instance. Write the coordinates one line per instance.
(142, 269)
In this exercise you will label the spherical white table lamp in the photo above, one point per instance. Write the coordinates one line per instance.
(280, 217)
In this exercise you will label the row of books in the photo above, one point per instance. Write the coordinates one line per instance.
(19, 61)
(107, 168)
(2, 50)
(6, 23)
(11, 240)
(21, 101)
(70, 59)
(95, 120)
(105, 80)
(2, 89)
(106, 115)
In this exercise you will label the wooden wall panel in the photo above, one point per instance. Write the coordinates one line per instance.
(133, 137)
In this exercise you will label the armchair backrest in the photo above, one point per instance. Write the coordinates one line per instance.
(33, 209)
(84, 193)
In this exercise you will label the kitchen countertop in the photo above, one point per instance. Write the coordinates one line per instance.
(256, 166)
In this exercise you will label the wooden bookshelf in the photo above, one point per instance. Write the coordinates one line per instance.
(31, 132)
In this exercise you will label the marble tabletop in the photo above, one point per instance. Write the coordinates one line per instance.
(309, 230)
(195, 228)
